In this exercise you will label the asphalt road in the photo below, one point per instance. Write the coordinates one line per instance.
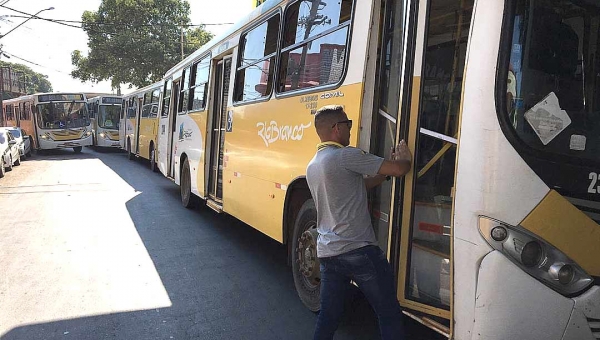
(93, 246)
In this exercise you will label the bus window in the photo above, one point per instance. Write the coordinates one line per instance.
(183, 98)
(199, 89)
(147, 104)
(9, 112)
(131, 108)
(307, 61)
(154, 100)
(254, 77)
(166, 99)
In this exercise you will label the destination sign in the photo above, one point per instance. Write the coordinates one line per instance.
(112, 100)
(59, 97)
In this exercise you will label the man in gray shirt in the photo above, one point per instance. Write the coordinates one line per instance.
(346, 246)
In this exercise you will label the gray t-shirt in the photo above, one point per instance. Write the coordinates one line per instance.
(335, 179)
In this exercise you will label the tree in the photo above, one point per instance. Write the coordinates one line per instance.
(135, 41)
(34, 82)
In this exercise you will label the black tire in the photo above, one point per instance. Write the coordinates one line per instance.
(153, 166)
(78, 149)
(28, 154)
(305, 264)
(18, 161)
(129, 154)
(188, 199)
(9, 167)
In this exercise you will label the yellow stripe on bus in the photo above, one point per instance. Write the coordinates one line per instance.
(557, 221)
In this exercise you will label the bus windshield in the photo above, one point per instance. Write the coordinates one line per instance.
(553, 92)
(108, 117)
(62, 115)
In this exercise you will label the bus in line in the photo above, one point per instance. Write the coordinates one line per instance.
(105, 113)
(18, 113)
(494, 233)
(139, 122)
(52, 120)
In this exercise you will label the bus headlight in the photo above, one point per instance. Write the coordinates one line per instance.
(535, 256)
(102, 135)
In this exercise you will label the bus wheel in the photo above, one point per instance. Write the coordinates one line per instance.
(78, 149)
(153, 159)
(305, 263)
(188, 199)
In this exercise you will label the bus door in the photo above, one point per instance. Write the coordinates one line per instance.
(173, 123)
(218, 128)
(164, 135)
(425, 201)
(138, 121)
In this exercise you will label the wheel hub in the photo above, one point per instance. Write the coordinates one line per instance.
(307, 255)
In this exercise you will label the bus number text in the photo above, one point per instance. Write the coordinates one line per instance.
(593, 188)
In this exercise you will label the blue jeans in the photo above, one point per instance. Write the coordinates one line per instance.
(370, 270)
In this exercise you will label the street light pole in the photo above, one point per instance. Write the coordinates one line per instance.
(31, 17)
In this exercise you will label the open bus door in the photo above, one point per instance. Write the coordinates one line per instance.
(218, 126)
(418, 87)
(165, 130)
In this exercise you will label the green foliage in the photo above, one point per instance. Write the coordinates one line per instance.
(135, 41)
(35, 82)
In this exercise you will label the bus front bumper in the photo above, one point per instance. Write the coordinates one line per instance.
(510, 304)
(47, 144)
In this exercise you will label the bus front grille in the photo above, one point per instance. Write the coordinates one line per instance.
(595, 327)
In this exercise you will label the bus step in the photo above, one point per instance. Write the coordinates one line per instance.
(214, 206)
(429, 323)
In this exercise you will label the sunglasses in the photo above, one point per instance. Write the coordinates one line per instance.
(347, 122)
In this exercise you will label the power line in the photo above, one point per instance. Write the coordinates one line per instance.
(118, 24)
(34, 63)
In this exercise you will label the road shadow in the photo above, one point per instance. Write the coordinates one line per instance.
(225, 280)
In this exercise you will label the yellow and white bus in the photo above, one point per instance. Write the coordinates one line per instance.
(494, 233)
(58, 120)
(139, 121)
(105, 113)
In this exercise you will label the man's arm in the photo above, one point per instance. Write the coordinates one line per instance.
(371, 182)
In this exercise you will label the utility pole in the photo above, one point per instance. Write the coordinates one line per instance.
(182, 43)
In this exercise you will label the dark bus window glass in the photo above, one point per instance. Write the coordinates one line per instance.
(308, 18)
(318, 62)
(166, 98)
(183, 98)
(553, 92)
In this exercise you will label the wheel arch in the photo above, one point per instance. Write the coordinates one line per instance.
(296, 194)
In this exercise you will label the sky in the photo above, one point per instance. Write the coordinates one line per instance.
(49, 45)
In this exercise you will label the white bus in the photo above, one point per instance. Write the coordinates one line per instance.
(105, 113)
(494, 234)
(58, 120)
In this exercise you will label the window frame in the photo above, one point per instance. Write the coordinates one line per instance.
(191, 89)
(165, 96)
(185, 72)
(275, 55)
(319, 88)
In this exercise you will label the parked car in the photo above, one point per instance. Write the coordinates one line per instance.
(9, 150)
(23, 140)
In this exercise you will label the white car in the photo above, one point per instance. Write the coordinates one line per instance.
(9, 150)
(23, 141)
